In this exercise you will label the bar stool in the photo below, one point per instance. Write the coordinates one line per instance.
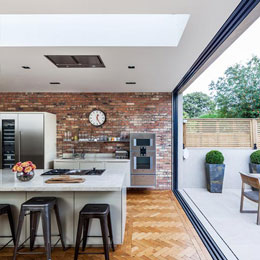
(36, 207)
(102, 212)
(6, 209)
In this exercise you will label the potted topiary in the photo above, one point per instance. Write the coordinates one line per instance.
(215, 171)
(254, 165)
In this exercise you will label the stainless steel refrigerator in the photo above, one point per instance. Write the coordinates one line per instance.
(27, 137)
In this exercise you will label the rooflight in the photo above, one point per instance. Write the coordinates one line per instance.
(92, 29)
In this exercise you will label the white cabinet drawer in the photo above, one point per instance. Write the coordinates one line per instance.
(66, 165)
(90, 165)
(143, 180)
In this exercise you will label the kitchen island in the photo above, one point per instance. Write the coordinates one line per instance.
(107, 188)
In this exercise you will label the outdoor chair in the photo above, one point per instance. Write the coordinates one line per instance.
(252, 195)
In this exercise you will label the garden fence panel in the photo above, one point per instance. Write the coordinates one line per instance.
(220, 132)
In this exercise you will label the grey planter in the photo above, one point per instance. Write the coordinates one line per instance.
(254, 168)
(215, 177)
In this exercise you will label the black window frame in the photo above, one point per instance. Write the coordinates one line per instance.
(243, 9)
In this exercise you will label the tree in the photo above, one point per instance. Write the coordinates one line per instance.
(197, 104)
(237, 93)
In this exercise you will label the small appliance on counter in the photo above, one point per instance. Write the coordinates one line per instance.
(121, 154)
(143, 159)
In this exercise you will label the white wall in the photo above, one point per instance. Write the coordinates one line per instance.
(193, 168)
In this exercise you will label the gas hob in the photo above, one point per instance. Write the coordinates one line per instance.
(92, 172)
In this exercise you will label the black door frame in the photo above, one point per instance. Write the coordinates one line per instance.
(234, 20)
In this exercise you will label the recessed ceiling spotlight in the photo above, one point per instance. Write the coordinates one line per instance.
(130, 83)
(131, 67)
(55, 83)
(26, 67)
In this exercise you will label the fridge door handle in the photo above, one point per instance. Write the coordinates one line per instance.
(19, 146)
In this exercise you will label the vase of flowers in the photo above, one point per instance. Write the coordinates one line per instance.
(24, 170)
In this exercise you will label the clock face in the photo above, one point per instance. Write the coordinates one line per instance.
(97, 117)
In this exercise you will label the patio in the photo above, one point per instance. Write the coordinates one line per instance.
(236, 234)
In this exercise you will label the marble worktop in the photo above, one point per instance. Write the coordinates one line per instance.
(108, 181)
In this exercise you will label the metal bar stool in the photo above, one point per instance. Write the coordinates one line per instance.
(102, 212)
(36, 207)
(6, 209)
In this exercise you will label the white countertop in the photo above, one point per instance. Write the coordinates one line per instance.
(92, 160)
(108, 181)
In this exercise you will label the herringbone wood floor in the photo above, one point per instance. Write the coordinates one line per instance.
(156, 229)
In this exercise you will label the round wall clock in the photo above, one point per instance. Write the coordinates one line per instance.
(97, 117)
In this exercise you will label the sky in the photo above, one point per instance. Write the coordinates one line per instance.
(247, 45)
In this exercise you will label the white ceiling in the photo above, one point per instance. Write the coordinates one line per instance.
(157, 68)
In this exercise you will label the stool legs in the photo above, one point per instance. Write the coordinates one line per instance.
(85, 234)
(110, 231)
(11, 223)
(79, 232)
(104, 230)
(34, 223)
(46, 227)
(19, 230)
(59, 226)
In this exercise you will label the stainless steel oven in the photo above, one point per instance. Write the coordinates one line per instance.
(143, 164)
(142, 140)
(143, 159)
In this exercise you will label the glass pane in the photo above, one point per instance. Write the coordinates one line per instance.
(8, 143)
(143, 162)
(143, 142)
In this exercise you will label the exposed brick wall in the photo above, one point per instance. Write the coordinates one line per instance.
(130, 112)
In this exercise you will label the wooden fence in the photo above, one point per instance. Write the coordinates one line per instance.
(222, 132)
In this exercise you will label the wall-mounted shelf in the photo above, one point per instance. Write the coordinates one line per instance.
(121, 141)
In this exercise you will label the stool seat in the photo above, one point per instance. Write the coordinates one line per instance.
(40, 201)
(95, 209)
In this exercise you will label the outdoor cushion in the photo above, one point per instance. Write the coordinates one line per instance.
(253, 195)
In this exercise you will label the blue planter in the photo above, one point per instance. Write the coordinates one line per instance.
(215, 177)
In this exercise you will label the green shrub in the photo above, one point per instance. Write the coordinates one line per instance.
(255, 157)
(214, 157)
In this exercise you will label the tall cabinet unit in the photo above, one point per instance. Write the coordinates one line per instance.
(27, 136)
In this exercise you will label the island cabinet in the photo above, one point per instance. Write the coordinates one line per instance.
(108, 188)
(112, 165)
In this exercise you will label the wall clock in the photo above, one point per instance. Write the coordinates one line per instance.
(97, 117)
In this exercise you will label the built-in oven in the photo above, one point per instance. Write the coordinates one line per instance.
(143, 159)
(143, 163)
(139, 140)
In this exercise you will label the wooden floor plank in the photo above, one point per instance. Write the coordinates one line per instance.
(156, 229)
